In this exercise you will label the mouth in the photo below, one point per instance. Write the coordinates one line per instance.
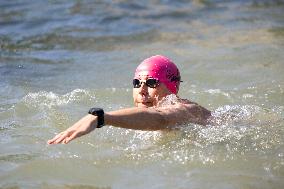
(144, 101)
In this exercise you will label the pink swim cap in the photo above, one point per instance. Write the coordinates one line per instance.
(162, 69)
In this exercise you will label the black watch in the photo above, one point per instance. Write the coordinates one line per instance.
(100, 113)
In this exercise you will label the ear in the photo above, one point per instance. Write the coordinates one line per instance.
(177, 87)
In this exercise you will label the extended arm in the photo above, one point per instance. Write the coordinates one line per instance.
(137, 118)
(157, 118)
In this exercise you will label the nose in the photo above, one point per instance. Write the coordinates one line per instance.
(143, 89)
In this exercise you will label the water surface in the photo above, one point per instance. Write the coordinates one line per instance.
(59, 58)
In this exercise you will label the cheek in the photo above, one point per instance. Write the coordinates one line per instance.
(153, 93)
(134, 92)
(159, 92)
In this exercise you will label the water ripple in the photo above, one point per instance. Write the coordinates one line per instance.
(50, 99)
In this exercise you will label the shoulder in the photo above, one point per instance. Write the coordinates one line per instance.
(176, 103)
(183, 111)
(179, 106)
(193, 106)
(196, 110)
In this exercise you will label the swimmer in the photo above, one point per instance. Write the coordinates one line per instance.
(155, 78)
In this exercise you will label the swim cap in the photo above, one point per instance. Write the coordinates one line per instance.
(162, 69)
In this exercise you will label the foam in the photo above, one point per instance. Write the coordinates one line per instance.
(51, 99)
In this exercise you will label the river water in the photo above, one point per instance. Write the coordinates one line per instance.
(59, 58)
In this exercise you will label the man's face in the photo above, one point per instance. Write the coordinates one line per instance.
(148, 97)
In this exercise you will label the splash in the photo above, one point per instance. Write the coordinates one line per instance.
(234, 133)
(50, 99)
(169, 100)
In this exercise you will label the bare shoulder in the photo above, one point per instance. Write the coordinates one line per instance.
(196, 111)
(193, 106)
(185, 111)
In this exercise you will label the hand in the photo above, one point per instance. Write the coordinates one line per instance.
(82, 127)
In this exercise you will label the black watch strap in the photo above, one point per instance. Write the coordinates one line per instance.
(100, 113)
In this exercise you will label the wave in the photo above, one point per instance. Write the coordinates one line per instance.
(50, 99)
(235, 133)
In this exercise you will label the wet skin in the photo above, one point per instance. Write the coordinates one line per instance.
(146, 96)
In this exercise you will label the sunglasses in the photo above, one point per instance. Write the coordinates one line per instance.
(152, 83)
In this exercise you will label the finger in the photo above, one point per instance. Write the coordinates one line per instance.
(64, 141)
(61, 138)
(73, 136)
(51, 141)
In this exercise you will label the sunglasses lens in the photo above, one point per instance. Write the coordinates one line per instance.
(136, 83)
(153, 83)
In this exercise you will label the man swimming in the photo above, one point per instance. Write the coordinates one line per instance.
(155, 78)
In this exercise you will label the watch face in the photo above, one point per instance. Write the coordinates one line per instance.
(96, 111)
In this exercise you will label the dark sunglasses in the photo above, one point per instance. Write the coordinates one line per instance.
(152, 83)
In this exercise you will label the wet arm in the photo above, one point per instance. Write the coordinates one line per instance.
(157, 118)
(137, 118)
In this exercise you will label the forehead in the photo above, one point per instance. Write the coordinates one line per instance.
(143, 77)
(141, 73)
(151, 73)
